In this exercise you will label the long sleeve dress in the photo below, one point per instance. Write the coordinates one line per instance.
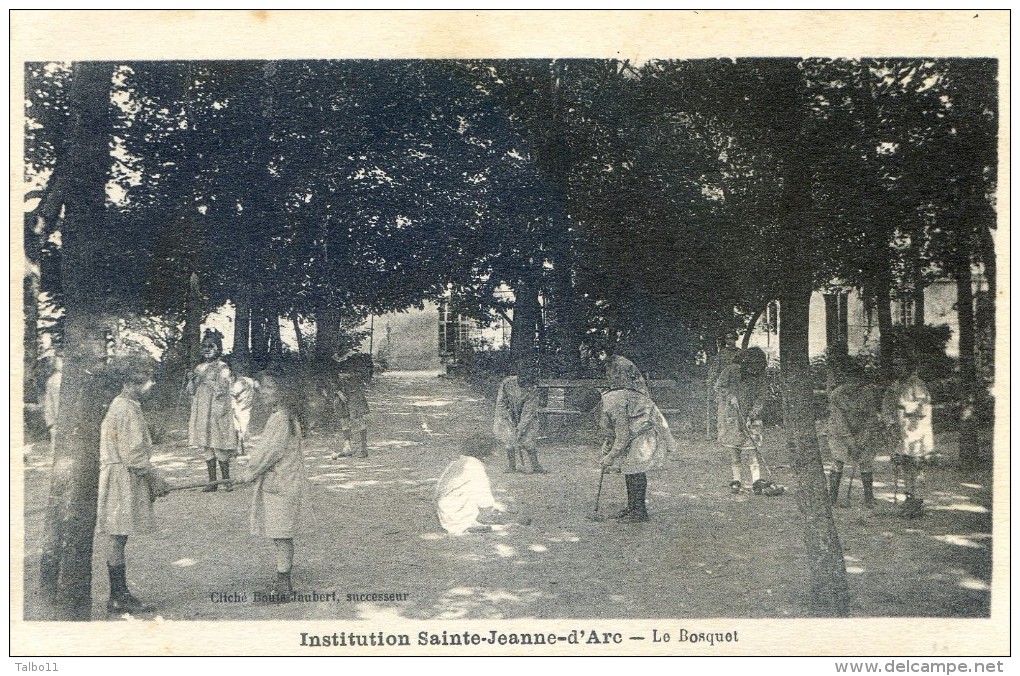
(740, 402)
(212, 415)
(278, 466)
(638, 434)
(516, 421)
(125, 505)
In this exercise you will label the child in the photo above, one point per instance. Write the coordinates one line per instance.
(516, 422)
(125, 500)
(906, 410)
(620, 371)
(351, 408)
(741, 388)
(464, 500)
(242, 398)
(278, 469)
(854, 428)
(716, 365)
(636, 439)
(211, 427)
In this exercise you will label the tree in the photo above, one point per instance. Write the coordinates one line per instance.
(960, 165)
(753, 120)
(66, 565)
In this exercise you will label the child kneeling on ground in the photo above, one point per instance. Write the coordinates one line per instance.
(464, 500)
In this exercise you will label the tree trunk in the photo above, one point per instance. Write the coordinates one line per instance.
(568, 334)
(327, 330)
(970, 450)
(66, 560)
(831, 321)
(829, 592)
(31, 335)
(299, 337)
(984, 318)
(259, 334)
(242, 322)
(751, 323)
(275, 340)
(525, 328)
(193, 321)
(883, 307)
(559, 163)
(826, 568)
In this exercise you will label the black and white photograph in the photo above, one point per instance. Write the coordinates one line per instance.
(468, 350)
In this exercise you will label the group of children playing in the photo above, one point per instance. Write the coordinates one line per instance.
(635, 439)
(863, 419)
(222, 398)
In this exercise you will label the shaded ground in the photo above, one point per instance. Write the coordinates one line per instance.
(705, 553)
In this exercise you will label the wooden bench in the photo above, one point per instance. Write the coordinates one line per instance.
(554, 395)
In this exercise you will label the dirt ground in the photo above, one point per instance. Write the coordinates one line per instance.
(372, 529)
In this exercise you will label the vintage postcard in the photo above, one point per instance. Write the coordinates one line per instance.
(510, 333)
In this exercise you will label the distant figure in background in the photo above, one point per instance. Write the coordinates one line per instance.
(277, 467)
(127, 480)
(516, 424)
(854, 427)
(464, 500)
(741, 388)
(619, 369)
(211, 427)
(716, 365)
(351, 407)
(243, 389)
(51, 396)
(906, 410)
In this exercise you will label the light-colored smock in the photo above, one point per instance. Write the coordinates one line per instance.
(212, 415)
(911, 417)
(516, 422)
(462, 491)
(854, 427)
(639, 436)
(125, 505)
(740, 403)
(278, 467)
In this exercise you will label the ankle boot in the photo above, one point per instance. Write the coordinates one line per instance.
(835, 481)
(225, 475)
(636, 488)
(629, 480)
(912, 508)
(511, 460)
(282, 587)
(210, 465)
(117, 579)
(536, 467)
(868, 480)
(121, 600)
